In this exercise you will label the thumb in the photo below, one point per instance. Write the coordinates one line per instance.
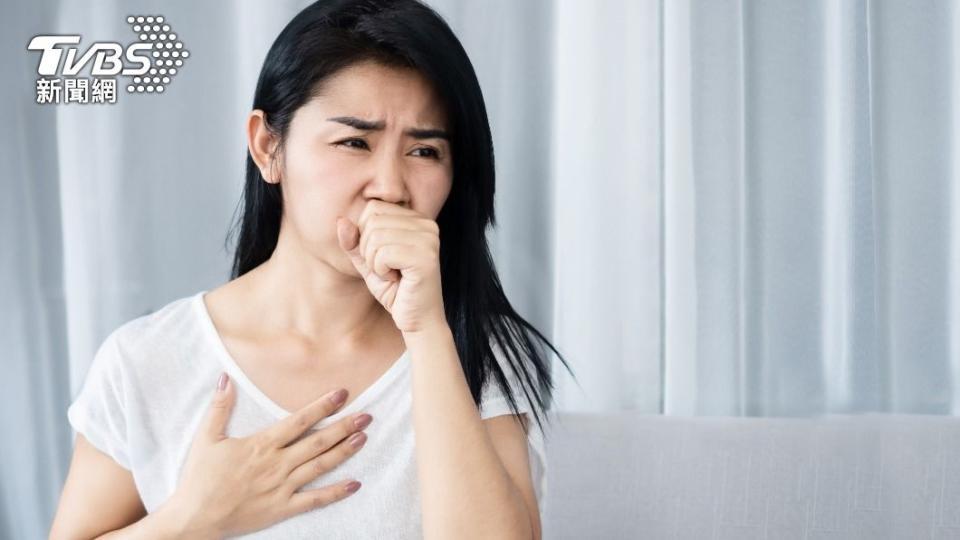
(220, 409)
(348, 236)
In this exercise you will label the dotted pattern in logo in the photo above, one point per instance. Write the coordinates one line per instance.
(168, 54)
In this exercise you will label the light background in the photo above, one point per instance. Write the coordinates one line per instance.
(711, 208)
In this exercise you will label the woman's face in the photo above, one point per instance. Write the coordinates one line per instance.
(332, 163)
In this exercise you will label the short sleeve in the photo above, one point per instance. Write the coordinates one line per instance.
(494, 403)
(98, 412)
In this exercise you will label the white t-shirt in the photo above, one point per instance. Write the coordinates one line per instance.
(151, 384)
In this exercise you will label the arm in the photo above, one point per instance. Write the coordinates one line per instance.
(99, 496)
(511, 444)
(464, 483)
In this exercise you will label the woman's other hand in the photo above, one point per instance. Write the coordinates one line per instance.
(229, 486)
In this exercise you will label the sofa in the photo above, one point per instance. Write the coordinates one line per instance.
(871, 476)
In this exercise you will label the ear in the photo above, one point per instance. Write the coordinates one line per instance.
(263, 146)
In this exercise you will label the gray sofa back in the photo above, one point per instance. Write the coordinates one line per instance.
(632, 475)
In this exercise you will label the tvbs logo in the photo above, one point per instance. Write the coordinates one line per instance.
(150, 63)
(106, 56)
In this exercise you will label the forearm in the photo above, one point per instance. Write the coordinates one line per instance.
(464, 488)
(152, 526)
(166, 523)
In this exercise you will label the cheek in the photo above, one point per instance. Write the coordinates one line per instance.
(431, 191)
(317, 169)
(316, 190)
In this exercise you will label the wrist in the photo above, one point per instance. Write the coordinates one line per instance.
(178, 522)
(436, 328)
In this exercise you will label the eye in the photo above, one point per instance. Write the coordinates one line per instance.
(432, 152)
(345, 141)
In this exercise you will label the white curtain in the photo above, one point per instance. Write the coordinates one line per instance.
(757, 206)
(710, 207)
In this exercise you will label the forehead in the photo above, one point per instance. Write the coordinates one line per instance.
(373, 91)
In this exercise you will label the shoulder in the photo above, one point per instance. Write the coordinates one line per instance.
(494, 401)
(164, 331)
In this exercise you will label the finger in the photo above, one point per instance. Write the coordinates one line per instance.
(375, 236)
(377, 207)
(387, 223)
(317, 443)
(215, 423)
(395, 256)
(403, 223)
(291, 427)
(382, 238)
(318, 498)
(327, 461)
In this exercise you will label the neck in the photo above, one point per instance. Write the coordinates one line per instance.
(298, 293)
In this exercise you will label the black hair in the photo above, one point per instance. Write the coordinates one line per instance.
(330, 35)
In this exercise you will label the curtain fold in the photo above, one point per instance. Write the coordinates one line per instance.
(807, 214)
(605, 162)
(954, 198)
(35, 382)
(789, 199)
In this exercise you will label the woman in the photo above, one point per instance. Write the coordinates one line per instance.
(369, 149)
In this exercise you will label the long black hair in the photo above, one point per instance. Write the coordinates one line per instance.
(330, 35)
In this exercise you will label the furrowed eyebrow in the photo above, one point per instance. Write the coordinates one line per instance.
(366, 125)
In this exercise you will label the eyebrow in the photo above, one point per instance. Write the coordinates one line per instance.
(366, 125)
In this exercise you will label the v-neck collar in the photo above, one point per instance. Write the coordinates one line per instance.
(233, 369)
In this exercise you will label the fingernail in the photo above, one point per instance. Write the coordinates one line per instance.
(352, 486)
(356, 439)
(337, 397)
(363, 421)
(222, 382)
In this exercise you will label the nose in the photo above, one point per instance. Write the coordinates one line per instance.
(388, 183)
